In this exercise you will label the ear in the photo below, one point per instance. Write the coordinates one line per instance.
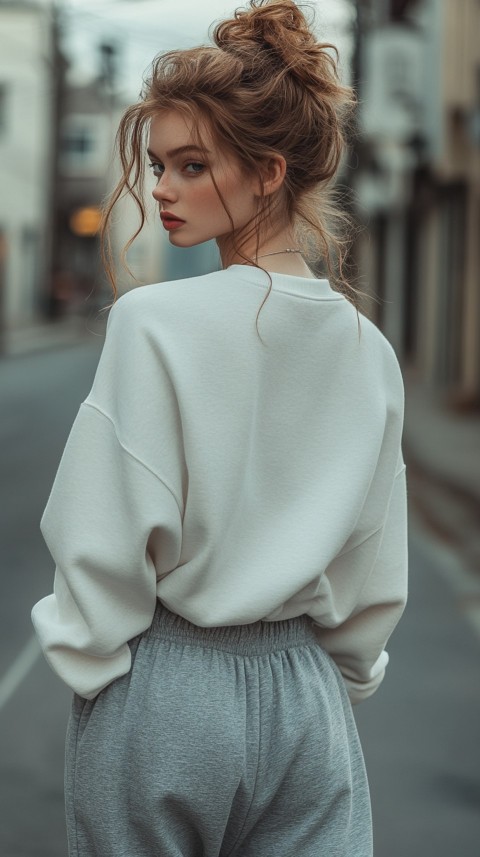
(273, 173)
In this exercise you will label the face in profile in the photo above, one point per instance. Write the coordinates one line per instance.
(184, 185)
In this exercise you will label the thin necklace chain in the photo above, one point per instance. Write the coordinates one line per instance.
(277, 252)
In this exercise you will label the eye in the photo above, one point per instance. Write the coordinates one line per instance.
(156, 169)
(195, 164)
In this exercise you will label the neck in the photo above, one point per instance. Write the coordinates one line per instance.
(278, 242)
(278, 239)
(285, 263)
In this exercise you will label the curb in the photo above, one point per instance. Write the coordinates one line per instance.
(50, 335)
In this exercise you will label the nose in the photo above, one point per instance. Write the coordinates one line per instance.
(164, 190)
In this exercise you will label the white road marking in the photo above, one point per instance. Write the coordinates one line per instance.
(20, 668)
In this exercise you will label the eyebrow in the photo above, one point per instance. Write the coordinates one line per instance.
(181, 150)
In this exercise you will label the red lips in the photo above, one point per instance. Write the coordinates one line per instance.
(170, 218)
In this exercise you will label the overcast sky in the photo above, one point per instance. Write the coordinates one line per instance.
(143, 28)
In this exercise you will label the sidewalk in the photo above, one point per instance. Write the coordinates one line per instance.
(442, 452)
(72, 330)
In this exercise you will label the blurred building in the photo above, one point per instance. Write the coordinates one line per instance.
(418, 183)
(29, 70)
(84, 148)
(57, 167)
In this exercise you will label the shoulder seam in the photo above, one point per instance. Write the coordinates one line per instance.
(132, 454)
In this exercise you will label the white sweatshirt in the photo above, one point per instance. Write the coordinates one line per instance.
(232, 480)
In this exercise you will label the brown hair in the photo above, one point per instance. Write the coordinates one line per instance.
(265, 86)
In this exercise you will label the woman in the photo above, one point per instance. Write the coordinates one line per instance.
(228, 519)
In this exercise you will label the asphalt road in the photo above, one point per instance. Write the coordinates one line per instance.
(420, 731)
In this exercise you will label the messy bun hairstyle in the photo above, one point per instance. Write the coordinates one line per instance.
(265, 86)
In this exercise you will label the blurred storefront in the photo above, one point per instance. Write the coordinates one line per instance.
(30, 66)
(418, 184)
(81, 184)
(417, 180)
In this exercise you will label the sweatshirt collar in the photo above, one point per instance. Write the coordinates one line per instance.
(316, 289)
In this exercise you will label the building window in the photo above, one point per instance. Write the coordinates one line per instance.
(79, 144)
(84, 146)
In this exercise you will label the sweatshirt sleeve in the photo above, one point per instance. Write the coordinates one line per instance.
(356, 638)
(113, 527)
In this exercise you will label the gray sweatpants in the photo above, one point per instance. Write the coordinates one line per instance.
(236, 741)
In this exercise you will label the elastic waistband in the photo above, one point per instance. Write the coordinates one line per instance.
(255, 638)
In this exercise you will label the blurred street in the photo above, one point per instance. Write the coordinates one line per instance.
(411, 177)
(420, 732)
